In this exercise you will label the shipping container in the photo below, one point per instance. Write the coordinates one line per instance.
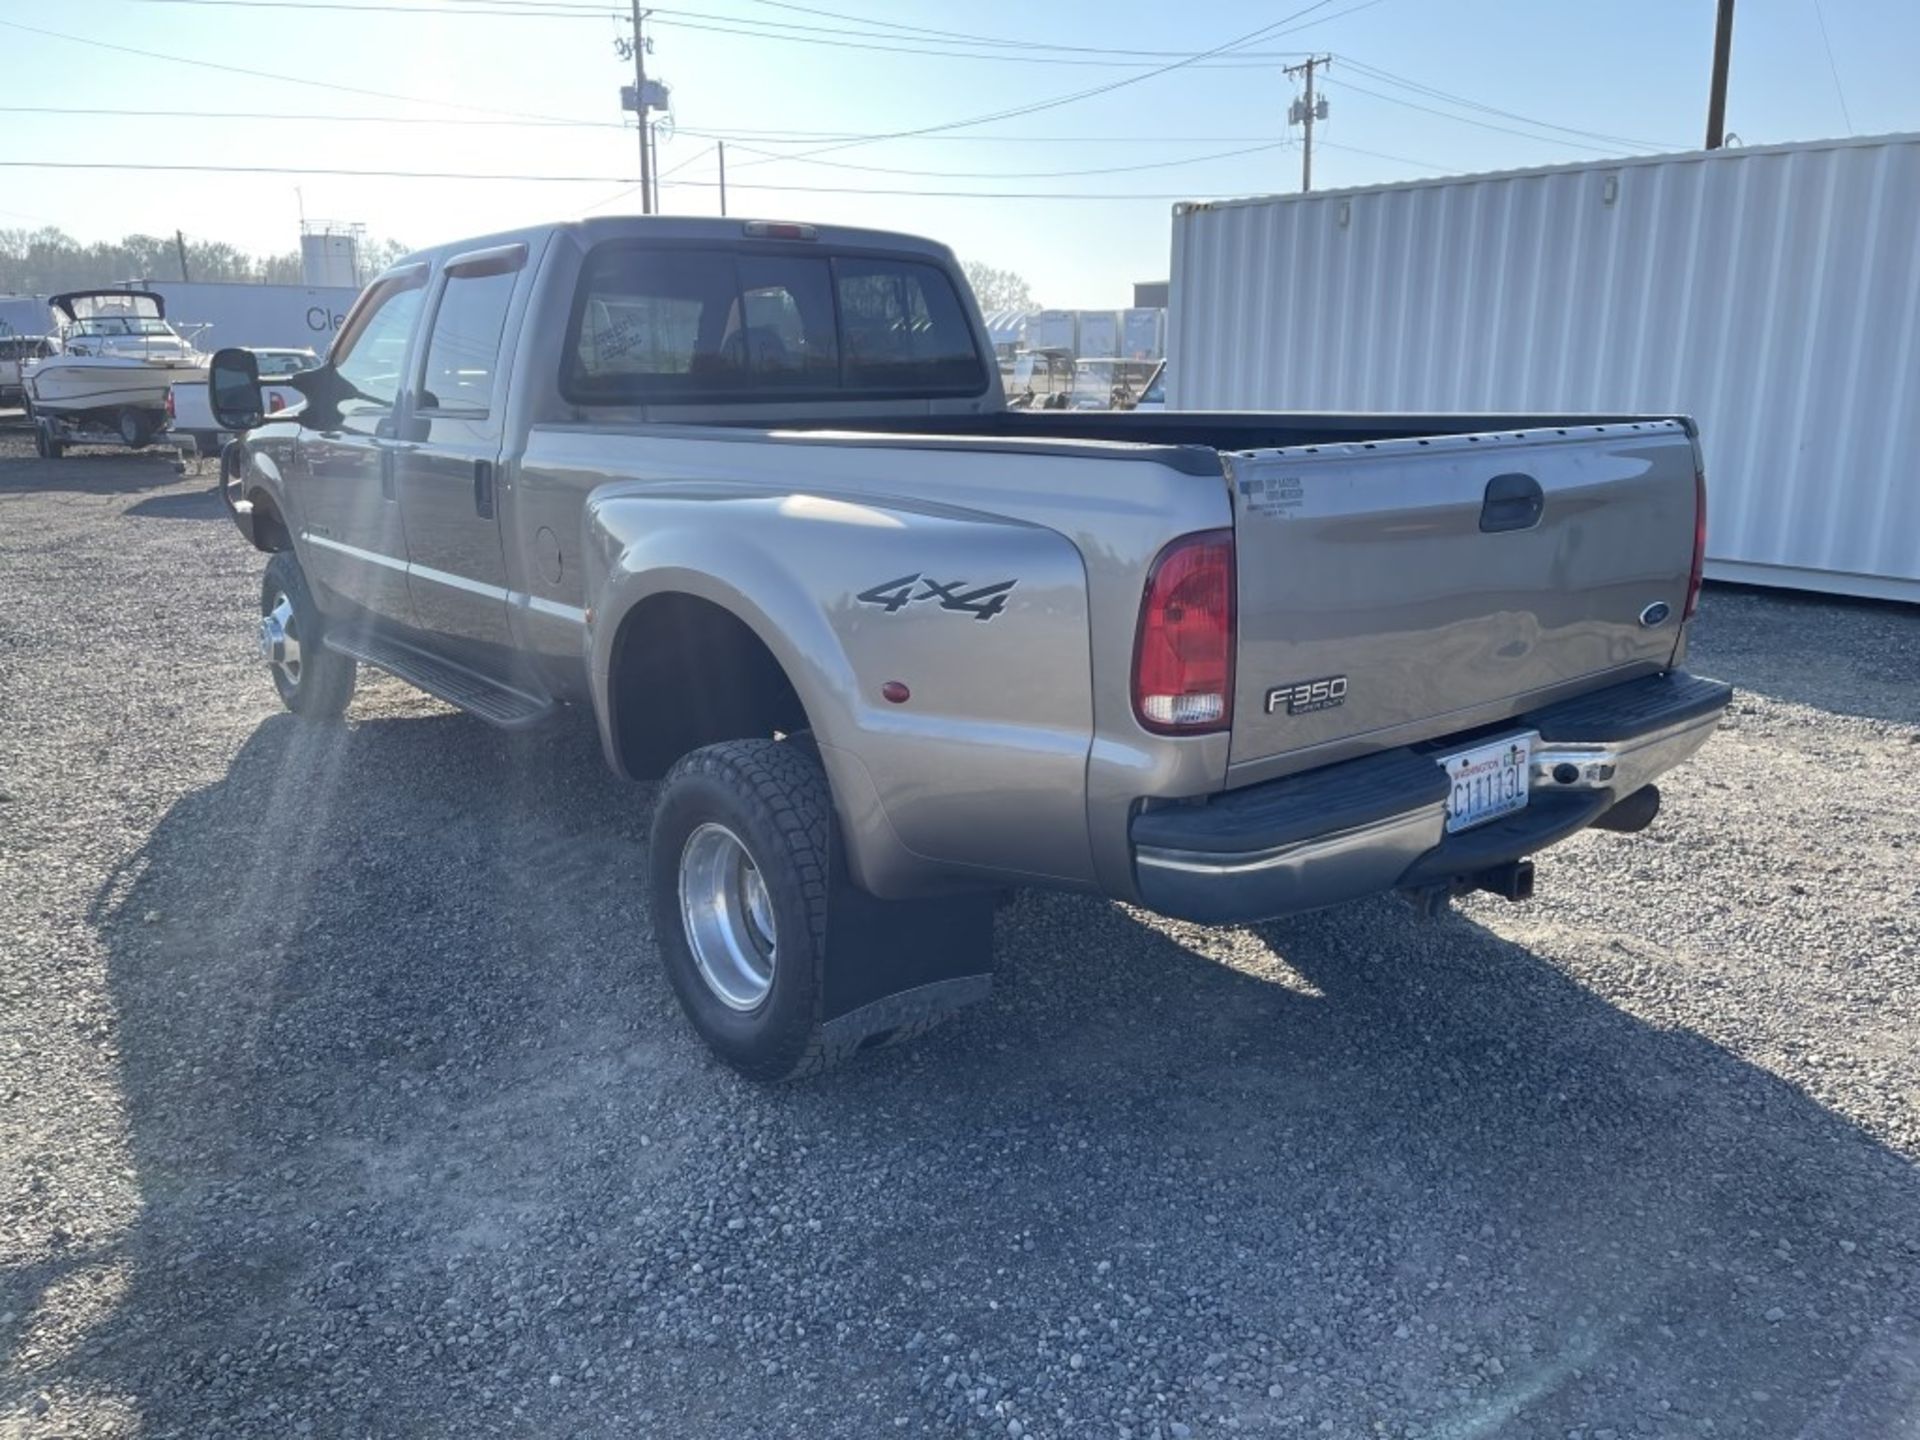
(1054, 330)
(1771, 292)
(1144, 333)
(1099, 334)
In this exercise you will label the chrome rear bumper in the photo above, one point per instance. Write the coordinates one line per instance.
(1380, 823)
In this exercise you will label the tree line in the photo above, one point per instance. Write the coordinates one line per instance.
(47, 261)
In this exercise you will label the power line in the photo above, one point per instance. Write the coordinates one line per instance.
(1820, 13)
(1421, 88)
(799, 137)
(326, 119)
(1012, 43)
(171, 167)
(1058, 100)
(1027, 174)
(501, 11)
(1004, 51)
(146, 54)
(1325, 143)
(963, 36)
(1483, 124)
(998, 57)
(792, 137)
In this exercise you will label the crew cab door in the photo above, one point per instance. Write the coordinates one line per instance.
(355, 542)
(449, 473)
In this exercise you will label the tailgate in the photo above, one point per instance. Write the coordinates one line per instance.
(1407, 588)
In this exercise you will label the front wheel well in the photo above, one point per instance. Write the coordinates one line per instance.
(685, 673)
(269, 530)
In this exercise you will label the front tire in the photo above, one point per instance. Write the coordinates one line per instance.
(314, 682)
(740, 872)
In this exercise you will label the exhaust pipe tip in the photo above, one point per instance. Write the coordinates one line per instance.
(1633, 813)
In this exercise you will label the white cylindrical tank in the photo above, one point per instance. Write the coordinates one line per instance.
(329, 258)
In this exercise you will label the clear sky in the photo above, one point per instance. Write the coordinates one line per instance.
(774, 75)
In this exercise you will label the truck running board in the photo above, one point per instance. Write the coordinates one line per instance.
(479, 696)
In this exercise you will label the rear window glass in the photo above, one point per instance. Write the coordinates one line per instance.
(656, 323)
(904, 328)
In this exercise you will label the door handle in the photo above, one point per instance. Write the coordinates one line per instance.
(1513, 502)
(483, 489)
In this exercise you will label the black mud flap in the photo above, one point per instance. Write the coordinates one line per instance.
(892, 963)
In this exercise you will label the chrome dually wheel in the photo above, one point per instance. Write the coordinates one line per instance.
(728, 916)
(280, 636)
(312, 679)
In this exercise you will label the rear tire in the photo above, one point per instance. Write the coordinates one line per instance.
(744, 943)
(135, 427)
(314, 682)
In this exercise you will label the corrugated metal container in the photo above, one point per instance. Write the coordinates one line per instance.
(1053, 330)
(1773, 293)
(1143, 331)
(1099, 334)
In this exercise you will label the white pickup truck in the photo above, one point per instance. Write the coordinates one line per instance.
(17, 351)
(751, 494)
(190, 415)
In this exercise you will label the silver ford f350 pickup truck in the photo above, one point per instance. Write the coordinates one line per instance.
(750, 491)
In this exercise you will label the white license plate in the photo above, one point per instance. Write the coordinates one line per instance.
(1487, 782)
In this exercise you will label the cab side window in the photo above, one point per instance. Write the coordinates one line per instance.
(376, 356)
(463, 351)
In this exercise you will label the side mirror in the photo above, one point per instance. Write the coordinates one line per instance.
(233, 389)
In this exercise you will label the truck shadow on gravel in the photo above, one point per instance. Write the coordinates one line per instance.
(424, 1148)
(92, 472)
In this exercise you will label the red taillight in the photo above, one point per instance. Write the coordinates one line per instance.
(1183, 658)
(170, 405)
(1699, 543)
(276, 403)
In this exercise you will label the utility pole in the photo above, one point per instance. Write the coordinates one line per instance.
(1305, 112)
(640, 98)
(1717, 97)
(723, 176)
(180, 244)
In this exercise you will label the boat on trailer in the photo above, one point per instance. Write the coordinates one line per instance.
(117, 357)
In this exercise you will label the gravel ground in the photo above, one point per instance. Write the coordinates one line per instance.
(341, 1094)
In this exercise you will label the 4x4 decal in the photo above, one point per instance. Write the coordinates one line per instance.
(983, 602)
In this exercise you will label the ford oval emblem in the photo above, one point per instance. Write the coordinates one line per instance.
(1655, 613)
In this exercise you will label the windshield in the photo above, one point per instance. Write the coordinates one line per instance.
(121, 325)
(286, 362)
(1092, 377)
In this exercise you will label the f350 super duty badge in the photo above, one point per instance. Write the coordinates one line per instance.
(1303, 697)
(983, 602)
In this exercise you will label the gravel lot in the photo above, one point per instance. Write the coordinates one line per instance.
(341, 1095)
